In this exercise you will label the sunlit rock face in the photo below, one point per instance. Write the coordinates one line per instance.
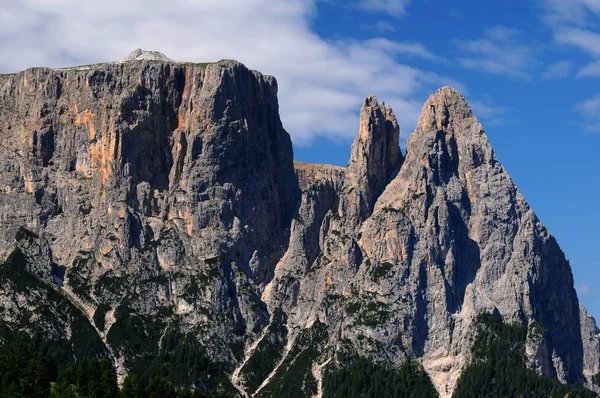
(162, 197)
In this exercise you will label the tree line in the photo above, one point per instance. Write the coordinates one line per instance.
(25, 373)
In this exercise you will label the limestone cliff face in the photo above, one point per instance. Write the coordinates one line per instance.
(590, 337)
(161, 197)
(475, 241)
(375, 157)
(165, 190)
(449, 237)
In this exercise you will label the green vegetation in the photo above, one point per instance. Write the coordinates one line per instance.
(100, 316)
(212, 261)
(132, 387)
(363, 379)
(184, 361)
(370, 313)
(109, 285)
(83, 177)
(55, 309)
(25, 234)
(267, 354)
(498, 366)
(381, 271)
(87, 378)
(353, 307)
(192, 289)
(596, 379)
(78, 274)
(179, 358)
(373, 314)
(137, 336)
(294, 377)
(132, 87)
(24, 373)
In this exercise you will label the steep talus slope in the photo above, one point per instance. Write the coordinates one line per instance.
(151, 209)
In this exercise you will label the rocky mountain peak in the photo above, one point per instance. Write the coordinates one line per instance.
(146, 55)
(378, 125)
(374, 158)
(444, 106)
(195, 232)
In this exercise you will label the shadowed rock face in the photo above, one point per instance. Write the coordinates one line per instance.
(163, 195)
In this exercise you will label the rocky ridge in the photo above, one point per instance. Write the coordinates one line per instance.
(162, 197)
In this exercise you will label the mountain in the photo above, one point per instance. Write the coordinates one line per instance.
(152, 214)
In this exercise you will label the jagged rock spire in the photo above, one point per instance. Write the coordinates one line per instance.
(374, 158)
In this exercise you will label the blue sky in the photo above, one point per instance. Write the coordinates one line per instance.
(529, 68)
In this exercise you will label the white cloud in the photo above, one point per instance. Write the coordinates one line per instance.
(384, 26)
(412, 49)
(556, 12)
(502, 51)
(574, 23)
(590, 110)
(590, 70)
(585, 40)
(557, 70)
(585, 289)
(590, 106)
(396, 8)
(486, 110)
(490, 114)
(321, 83)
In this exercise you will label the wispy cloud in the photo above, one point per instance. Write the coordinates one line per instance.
(559, 12)
(396, 8)
(590, 110)
(490, 114)
(557, 70)
(501, 50)
(590, 70)
(585, 40)
(455, 13)
(585, 289)
(412, 49)
(321, 83)
(384, 26)
(574, 24)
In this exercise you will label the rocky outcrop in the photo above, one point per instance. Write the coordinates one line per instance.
(590, 336)
(309, 174)
(176, 178)
(375, 157)
(477, 242)
(449, 237)
(145, 55)
(149, 201)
